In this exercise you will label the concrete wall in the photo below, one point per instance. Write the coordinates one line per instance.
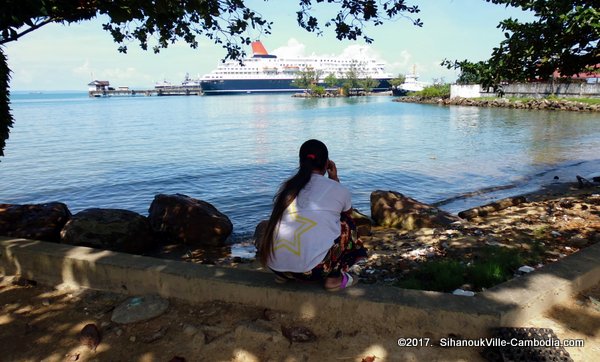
(531, 90)
(465, 91)
(397, 312)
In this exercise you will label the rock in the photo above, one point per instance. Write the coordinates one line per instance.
(189, 330)
(494, 206)
(34, 221)
(298, 334)
(259, 331)
(213, 332)
(187, 220)
(161, 332)
(525, 269)
(465, 293)
(139, 309)
(392, 209)
(111, 229)
(90, 336)
(199, 340)
(362, 222)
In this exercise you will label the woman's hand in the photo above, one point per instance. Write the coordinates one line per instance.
(332, 171)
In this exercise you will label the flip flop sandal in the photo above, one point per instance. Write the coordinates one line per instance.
(347, 281)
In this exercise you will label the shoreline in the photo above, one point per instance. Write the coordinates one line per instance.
(560, 216)
(529, 104)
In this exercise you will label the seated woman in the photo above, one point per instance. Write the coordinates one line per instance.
(310, 235)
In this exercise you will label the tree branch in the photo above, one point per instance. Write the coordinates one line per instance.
(30, 29)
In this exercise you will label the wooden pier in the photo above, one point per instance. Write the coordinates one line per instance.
(167, 91)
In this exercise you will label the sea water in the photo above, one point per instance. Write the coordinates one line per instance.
(234, 151)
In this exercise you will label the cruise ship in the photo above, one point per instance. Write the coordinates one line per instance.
(266, 73)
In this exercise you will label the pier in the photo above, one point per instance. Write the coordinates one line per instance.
(166, 91)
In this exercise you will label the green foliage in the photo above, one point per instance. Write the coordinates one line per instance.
(494, 266)
(564, 36)
(304, 79)
(401, 78)
(349, 21)
(434, 91)
(331, 81)
(474, 73)
(317, 90)
(368, 83)
(6, 119)
(351, 81)
(439, 275)
(497, 265)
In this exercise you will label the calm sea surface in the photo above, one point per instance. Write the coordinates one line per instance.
(234, 151)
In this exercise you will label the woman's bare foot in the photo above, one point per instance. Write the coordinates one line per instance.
(331, 283)
(337, 283)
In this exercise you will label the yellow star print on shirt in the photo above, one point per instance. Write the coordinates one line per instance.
(305, 225)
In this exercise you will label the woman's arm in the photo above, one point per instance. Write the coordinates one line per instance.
(332, 171)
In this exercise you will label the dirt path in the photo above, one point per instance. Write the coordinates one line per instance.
(40, 323)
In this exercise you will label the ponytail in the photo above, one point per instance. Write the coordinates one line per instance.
(313, 155)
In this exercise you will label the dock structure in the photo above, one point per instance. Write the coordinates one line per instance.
(163, 91)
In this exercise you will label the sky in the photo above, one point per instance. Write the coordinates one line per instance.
(68, 57)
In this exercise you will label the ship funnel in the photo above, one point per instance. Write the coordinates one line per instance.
(259, 51)
(258, 48)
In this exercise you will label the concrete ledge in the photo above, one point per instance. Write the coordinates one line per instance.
(398, 312)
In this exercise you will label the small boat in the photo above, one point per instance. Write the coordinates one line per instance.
(163, 85)
(411, 84)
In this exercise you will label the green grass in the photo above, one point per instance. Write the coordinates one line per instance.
(440, 275)
(492, 266)
(433, 91)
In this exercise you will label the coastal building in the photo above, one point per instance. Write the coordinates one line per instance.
(98, 85)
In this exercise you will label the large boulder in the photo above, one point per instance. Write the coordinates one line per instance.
(187, 220)
(34, 221)
(362, 222)
(110, 229)
(392, 209)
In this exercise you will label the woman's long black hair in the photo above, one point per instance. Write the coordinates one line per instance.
(313, 155)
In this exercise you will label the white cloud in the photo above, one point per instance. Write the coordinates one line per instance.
(116, 76)
(402, 64)
(293, 49)
(359, 51)
(84, 69)
(125, 76)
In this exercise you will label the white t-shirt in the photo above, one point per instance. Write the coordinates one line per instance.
(309, 225)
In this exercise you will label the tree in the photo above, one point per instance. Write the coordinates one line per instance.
(307, 78)
(158, 23)
(368, 83)
(331, 81)
(474, 73)
(565, 36)
(398, 80)
(350, 82)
